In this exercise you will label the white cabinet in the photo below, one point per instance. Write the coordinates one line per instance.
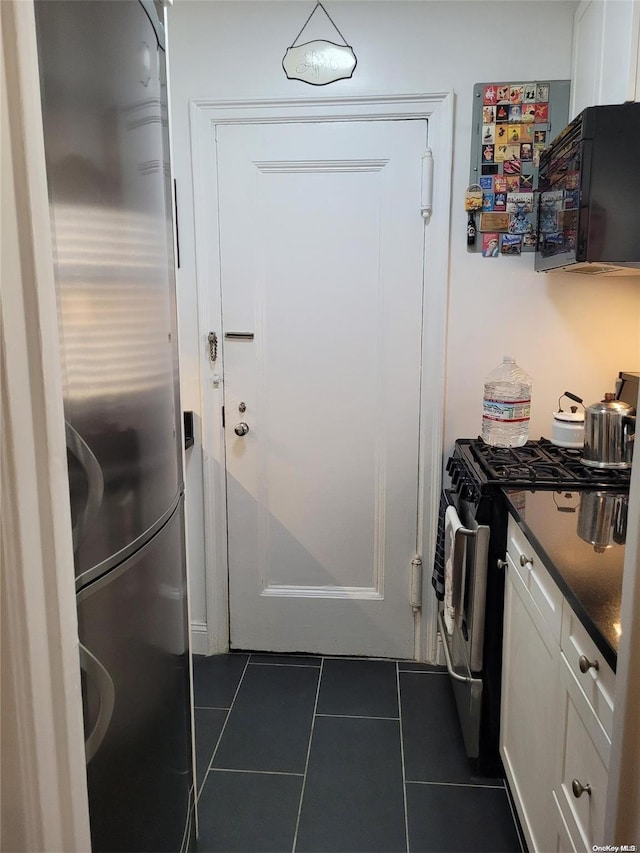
(562, 842)
(582, 658)
(557, 709)
(530, 688)
(606, 49)
(582, 765)
(585, 715)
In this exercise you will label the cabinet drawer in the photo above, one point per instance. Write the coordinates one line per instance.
(598, 684)
(583, 759)
(536, 578)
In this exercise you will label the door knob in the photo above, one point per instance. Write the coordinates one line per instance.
(241, 428)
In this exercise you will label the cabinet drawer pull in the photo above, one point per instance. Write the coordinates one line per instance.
(585, 664)
(579, 789)
(501, 564)
(524, 560)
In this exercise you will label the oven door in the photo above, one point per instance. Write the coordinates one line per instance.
(463, 645)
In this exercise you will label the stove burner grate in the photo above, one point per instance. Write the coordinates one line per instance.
(543, 464)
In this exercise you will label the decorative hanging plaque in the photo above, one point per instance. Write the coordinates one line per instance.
(319, 62)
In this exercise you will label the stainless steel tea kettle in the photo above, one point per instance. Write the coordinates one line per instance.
(609, 433)
(602, 519)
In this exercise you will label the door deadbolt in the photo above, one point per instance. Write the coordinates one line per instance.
(242, 408)
(241, 428)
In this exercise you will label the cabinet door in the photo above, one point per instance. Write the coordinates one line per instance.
(563, 842)
(529, 701)
(619, 51)
(582, 760)
(586, 61)
(604, 63)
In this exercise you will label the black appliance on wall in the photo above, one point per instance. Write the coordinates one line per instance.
(589, 186)
(104, 109)
(473, 645)
(627, 387)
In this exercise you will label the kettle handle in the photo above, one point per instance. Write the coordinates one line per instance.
(629, 421)
(573, 397)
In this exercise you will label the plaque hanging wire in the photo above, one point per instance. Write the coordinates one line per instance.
(313, 11)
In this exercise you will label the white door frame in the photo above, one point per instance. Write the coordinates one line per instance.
(206, 115)
(44, 800)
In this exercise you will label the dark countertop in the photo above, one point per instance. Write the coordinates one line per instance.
(590, 580)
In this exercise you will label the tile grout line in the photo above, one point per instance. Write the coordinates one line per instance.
(272, 663)
(206, 775)
(262, 772)
(404, 775)
(357, 717)
(454, 784)
(424, 671)
(306, 764)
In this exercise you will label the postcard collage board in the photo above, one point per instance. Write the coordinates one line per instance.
(512, 123)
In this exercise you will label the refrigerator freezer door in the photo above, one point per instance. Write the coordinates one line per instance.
(105, 120)
(135, 679)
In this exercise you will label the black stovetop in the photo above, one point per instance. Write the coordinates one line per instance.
(537, 464)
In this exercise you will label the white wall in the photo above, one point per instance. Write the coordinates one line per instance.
(569, 332)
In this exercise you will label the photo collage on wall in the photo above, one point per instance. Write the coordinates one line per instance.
(512, 124)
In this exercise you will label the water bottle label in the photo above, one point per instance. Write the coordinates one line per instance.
(515, 411)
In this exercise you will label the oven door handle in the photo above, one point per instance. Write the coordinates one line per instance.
(465, 679)
(468, 584)
(459, 579)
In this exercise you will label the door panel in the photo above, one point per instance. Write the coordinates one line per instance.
(321, 259)
(135, 677)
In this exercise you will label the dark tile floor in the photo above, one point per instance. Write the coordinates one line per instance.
(341, 755)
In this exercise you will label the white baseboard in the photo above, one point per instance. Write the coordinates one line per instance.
(199, 638)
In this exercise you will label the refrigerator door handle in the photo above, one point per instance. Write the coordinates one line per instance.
(107, 694)
(93, 472)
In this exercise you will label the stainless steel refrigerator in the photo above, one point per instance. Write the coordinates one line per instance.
(104, 98)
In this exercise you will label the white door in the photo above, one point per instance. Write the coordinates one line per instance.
(321, 261)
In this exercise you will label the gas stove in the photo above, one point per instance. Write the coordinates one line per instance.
(536, 465)
(479, 472)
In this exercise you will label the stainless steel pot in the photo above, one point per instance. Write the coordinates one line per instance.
(602, 519)
(609, 433)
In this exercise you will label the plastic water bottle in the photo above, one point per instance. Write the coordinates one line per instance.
(506, 406)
